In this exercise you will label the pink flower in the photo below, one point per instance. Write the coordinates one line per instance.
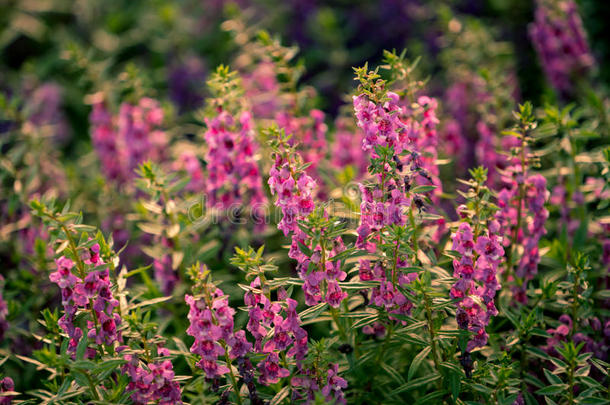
(125, 141)
(63, 276)
(6, 384)
(271, 371)
(153, 383)
(234, 178)
(212, 328)
(477, 282)
(165, 274)
(333, 390)
(93, 293)
(334, 294)
(534, 216)
(559, 38)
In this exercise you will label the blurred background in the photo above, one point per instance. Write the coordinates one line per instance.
(173, 45)
(61, 58)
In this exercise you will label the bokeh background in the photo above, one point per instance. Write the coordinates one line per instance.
(57, 56)
(174, 44)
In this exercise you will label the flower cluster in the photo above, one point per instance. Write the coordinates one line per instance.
(523, 205)
(427, 143)
(185, 81)
(559, 198)
(106, 142)
(346, 150)
(89, 291)
(6, 385)
(378, 210)
(44, 110)
(387, 295)
(153, 382)
(189, 162)
(483, 88)
(294, 192)
(477, 282)
(599, 347)
(320, 271)
(233, 176)
(401, 130)
(295, 198)
(287, 336)
(472, 135)
(211, 324)
(383, 126)
(331, 385)
(165, 274)
(382, 123)
(262, 89)
(122, 143)
(308, 135)
(409, 131)
(561, 43)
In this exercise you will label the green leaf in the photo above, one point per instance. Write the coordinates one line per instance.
(553, 379)
(481, 388)
(602, 294)
(417, 361)
(418, 382)
(552, 389)
(545, 130)
(538, 353)
(422, 189)
(151, 228)
(304, 249)
(393, 373)
(280, 396)
(82, 346)
(454, 384)
(314, 311)
(152, 301)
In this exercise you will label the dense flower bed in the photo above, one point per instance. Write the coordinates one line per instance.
(433, 240)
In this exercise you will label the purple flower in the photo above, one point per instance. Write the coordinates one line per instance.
(125, 141)
(92, 293)
(233, 176)
(271, 371)
(559, 38)
(477, 282)
(6, 384)
(153, 383)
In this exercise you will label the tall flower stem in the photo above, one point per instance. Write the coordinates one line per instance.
(427, 303)
(232, 375)
(433, 348)
(83, 274)
(520, 198)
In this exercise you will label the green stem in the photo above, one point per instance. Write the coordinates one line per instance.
(521, 196)
(386, 342)
(285, 361)
(91, 384)
(209, 303)
(395, 264)
(79, 262)
(335, 315)
(433, 348)
(575, 303)
(232, 375)
(80, 265)
(354, 335)
(414, 236)
(523, 361)
(571, 368)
